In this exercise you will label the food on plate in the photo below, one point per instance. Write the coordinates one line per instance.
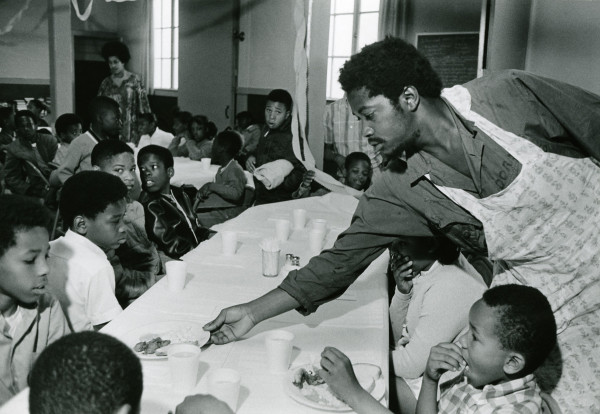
(150, 347)
(307, 376)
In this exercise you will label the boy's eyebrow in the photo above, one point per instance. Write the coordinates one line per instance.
(472, 327)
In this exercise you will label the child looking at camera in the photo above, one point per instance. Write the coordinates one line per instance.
(136, 262)
(222, 200)
(30, 318)
(92, 205)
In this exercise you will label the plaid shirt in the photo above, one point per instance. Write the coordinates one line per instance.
(521, 396)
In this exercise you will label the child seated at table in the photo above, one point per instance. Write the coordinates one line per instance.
(90, 372)
(30, 317)
(275, 150)
(136, 262)
(223, 199)
(170, 219)
(199, 146)
(150, 133)
(92, 205)
(181, 129)
(358, 174)
(68, 127)
(512, 331)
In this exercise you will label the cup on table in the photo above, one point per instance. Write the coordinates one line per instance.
(224, 384)
(319, 224)
(183, 360)
(270, 256)
(315, 241)
(205, 163)
(229, 242)
(299, 215)
(176, 273)
(279, 350)
(282, 229)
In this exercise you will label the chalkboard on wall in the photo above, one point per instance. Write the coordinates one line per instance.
(454, 56)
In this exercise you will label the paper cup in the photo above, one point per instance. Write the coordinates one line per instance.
(229, 241)
(205, 163)
(270, 263)
(299, 218)
(315, 241)
(282, 229)
(279, 350)
(319, 224)
(224, 384)
(176, 273)
(183, 360)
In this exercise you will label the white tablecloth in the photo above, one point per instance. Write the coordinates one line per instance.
(356, 323)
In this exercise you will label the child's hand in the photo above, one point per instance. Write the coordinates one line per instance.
(308, 178)
(204, 191)
(250, 164)
(443, 357)
(401, 268)
(338, 374)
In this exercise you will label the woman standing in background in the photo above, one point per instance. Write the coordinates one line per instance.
(124, 87)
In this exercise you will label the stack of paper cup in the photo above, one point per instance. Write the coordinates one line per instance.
(270, 256)
(205, 163)
(282, 229)
(224, 384)
(319, 224)
(299, 215)
(279, 350)
(315, 241)
(229, 242)
(176, 274)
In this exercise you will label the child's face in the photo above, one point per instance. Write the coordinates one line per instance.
(275, 114)
(178, 126)
(358, 175)
(144, 127)
(198, 131)
(123, 166)
(107, 230)
(483, 354)
(414, 248)
(72, 132)
(23, 267)
(155, 177)
(109, 122)
(25, 127)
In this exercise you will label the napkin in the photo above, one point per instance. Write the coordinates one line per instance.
(272, 173)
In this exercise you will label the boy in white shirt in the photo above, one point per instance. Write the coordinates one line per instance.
(92, 205)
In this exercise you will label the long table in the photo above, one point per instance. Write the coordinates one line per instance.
(356, 323)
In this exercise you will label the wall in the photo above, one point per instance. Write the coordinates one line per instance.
(564, 42)
(508, 33)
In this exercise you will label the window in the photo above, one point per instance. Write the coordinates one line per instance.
(165, 44)
(352, 25)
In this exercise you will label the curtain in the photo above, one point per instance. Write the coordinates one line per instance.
(391, 18)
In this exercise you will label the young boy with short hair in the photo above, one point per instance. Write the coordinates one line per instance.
(30, 318)
(170, 219)
(68, 127)
(222, 199)
(150, 133)
(275, 144)
(512, 331)
(92, 205)
(136, 262)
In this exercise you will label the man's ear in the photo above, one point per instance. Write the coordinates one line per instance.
(95, 168)
(287, 114)
(170, 172)
(125, 409)
(514, 363)
(410, 98)
(80, 225)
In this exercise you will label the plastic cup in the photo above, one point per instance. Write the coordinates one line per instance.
(176, 273)
(205, 163)
(224, 384)
(184, 360)
(282, 229)
(270, 263)
(319, 224)
(279, 350)
(229, 241)
(299, 218)
(315, 241)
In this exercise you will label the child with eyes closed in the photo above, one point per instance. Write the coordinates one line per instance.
(136, 262)
(30, 318)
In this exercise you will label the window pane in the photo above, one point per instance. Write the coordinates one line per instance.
(176, 42)
(166, 13)
(157, 73)
(176, 13)
(343, 6)
(336, 89)
(175, 74)
(331, 28)
(167, 46)
(369, 5)
(166, 73)
(367, 30)
(342, 38)
(156, 6)
(156, 40)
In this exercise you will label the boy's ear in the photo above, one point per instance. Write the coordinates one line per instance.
(410, 98)
(95, 168)
(80, 225)
(287, 114)
(514, 363)
(170, 172)
(124, 409)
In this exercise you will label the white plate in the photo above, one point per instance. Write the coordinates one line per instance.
(365, 373)
(164, 330)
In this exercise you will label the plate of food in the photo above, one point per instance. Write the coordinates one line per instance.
(153, 341)
(305, 386)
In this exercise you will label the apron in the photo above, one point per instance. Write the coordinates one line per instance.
(542, 230)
